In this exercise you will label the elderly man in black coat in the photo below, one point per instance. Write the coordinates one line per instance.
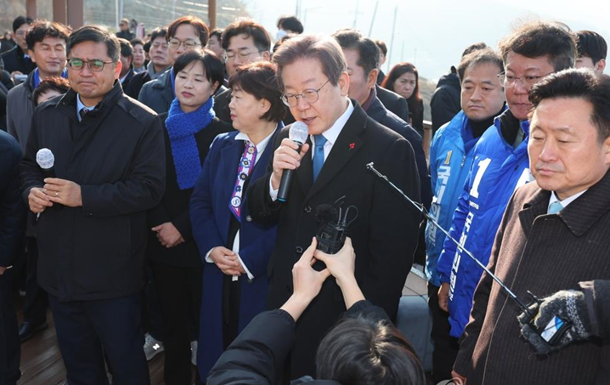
(110, 169)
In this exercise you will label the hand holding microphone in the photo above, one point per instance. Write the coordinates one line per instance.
(287, 158)
(37, 199)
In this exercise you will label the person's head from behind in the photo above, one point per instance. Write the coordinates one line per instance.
(245, 41)
(365, 351)
(312, 72)
(50, 88)
(362, 56)
(482, 95)
(46, 43)
(255, 97)
(569, 145)
(198, 76)
(139, 55)
(93, 63)
(403, 79)
(184, 34)
(287, 25)
(532, 52)
(21, 26)
(592, 51)
(126, 56)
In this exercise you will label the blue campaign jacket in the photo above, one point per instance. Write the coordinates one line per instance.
(497, 170)
(451, 154)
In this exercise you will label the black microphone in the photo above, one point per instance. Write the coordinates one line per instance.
(298, 134)
(46, 161)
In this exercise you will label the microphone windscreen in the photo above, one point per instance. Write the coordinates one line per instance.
(45, 158)
(298, 132)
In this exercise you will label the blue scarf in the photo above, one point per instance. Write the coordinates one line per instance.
(182, 128)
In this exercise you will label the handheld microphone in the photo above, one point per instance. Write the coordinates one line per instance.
(46, 161)
(298, 134)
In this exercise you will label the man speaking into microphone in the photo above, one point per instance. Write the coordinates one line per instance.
(332, 165)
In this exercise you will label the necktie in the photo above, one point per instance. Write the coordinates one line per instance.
(82, 113)
(555, 207)
(246, 164)
(318, 155)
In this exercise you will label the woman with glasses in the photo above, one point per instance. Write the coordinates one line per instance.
(235, 249)
(404, 80)
(190, 128)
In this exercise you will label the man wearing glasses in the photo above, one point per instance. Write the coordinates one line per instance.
(500, 164)
(17, 61)
(332, 166)
(109, 168)
(183, 34)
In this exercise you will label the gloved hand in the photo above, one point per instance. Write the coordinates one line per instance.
(567, 304)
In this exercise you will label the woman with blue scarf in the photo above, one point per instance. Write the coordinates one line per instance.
(190, 128)
(235, 249)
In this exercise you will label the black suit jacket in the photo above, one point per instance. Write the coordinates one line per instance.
(384, 234)
(14, 60)
(393, 102)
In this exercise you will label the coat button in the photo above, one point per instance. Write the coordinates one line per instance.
(248, 219)
(299, 250)
(307, 209)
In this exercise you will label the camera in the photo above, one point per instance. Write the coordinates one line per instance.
(334, 221)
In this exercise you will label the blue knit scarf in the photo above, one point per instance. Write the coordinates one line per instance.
(182, 128)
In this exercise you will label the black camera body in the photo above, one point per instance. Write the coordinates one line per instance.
(333, 226)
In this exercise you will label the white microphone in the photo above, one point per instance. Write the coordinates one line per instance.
(298, 133)
(46, 161)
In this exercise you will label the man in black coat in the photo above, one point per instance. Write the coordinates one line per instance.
(343, 139)
(110, 168)
(12, 221)
(16, 60)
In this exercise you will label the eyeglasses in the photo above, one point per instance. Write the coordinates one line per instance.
(188, 44)
(527, 81)
(310, 95)
(95, 65)
(242, 54)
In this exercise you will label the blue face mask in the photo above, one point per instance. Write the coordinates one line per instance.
(280, 34)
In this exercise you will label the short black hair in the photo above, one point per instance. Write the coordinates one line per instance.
(137, 41)
(214, 69)
(21, 20)
(591, 44)
(290, 23)
(368, 51)
(200, 27)
(480, 56)
(474, 47)
(42, 29)
(382, 46)
(260, 80)
(158, 32)
(216, 32)
(539, 38)
(126, 47)
(366, 351)
(95, 34)
(55, 83)
(582, 83)
(250, 28)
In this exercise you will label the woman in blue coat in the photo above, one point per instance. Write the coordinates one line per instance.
(234, 249)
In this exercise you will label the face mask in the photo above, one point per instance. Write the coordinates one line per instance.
(280, 34)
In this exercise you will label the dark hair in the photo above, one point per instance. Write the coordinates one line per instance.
(481, 56)
(397, 71)
(382, 46)
(290, 23)
(95, 34)
(214, 69)
(324, 49)
(537, 39)
(250, 28)
(137, 41)
(260, 80)
(580, 83)
(126, 47)
(368, 52)
(216, 32)
(281, 41)
(55, 83)
(591, 44)
(41, 29)
(21, 20)
(367, 351)
(157, 32)
(201, 28)
(474, 47)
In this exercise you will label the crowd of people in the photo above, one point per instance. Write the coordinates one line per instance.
(160, 195)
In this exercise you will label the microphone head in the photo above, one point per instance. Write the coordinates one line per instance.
(298, 132)
(45, 158)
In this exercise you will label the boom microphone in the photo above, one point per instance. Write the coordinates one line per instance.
(46, 161)
(298, 134)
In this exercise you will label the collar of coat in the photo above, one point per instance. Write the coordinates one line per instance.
(109, 100)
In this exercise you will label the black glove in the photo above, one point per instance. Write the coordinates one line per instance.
(567, 304)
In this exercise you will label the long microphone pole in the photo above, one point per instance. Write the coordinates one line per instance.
(422, 209)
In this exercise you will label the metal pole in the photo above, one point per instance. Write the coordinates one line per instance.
(117, 17)
(212, 13)
(375, 15)
(392, 40)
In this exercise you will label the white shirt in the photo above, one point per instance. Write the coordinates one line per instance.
(260, 147)
(331, 136)
(564, 203)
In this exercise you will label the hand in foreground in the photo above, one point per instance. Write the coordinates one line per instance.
(168, 235)
(286, 157)
(457, 378)
(2, 270)
(567, 304)
(63, 191)
(443, 297)
(38, 200)
(226, 260)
